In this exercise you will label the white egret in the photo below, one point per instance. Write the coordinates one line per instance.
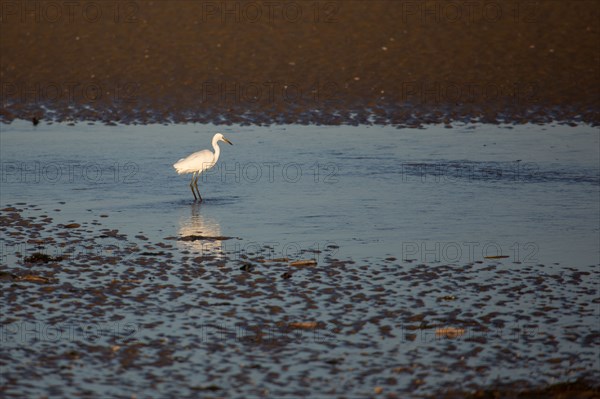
(200, 161)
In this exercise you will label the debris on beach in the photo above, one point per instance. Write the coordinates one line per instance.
(307, 262)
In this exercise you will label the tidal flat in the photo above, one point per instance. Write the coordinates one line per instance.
(359, 262)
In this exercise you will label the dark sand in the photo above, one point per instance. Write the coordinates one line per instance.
(400, 62)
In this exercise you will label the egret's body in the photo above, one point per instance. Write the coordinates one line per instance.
(200, 161)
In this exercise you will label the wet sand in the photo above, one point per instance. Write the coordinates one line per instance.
(404, 63)
(112, 315)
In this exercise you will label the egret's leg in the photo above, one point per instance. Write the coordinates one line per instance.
(192, 186)
(196, 184)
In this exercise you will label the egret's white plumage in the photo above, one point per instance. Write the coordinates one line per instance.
(200, 161)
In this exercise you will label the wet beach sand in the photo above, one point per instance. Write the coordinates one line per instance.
(405, 63)
(116, 316)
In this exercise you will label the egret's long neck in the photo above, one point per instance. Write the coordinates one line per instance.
(215, 144)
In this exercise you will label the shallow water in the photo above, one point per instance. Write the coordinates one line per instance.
(434, 195)
(399, 222)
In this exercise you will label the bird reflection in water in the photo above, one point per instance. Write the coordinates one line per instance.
(200, 225)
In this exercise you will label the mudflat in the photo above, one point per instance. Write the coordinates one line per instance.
(404, 63)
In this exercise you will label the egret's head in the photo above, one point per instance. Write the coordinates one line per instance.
(220, 137)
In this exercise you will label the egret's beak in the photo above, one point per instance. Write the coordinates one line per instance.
(227, 141)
